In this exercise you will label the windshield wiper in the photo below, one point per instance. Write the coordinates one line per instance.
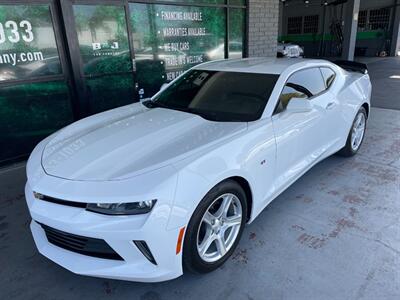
(154, 104)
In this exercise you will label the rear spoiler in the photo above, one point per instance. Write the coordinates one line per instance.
(352, 66)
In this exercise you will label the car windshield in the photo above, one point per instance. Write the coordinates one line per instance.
(218, 96)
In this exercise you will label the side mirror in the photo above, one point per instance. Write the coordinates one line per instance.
(297, 105)
(164, 86)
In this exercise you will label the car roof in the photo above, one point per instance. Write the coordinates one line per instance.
(260, 65)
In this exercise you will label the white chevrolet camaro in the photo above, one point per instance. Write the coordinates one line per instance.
(147, 191)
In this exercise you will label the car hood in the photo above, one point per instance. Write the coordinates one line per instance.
(130, 140)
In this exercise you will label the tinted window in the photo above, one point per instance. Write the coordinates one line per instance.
(329, 76)
(197, 1)
(220, 96)
(27, 42)
(310, 81)
(236, 32)
(287, 94)
(29, 112)
(103, 38)
(170, 39)
(106, 92)
(303, 84)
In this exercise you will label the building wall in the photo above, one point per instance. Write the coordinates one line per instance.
(263, 27)
(368, 4)
(49, 79)
(94, 57)
(397, 37)
(395, 46)
(323, 43)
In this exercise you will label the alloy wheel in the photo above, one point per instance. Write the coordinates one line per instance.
(219, 227)
(358, 131)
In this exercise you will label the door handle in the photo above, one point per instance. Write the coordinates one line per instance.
(330, 105)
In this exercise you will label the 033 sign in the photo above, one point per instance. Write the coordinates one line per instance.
(28, 47)
(15, 35)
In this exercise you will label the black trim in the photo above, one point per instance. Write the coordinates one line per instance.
(352, 66)
(59, 201)
(226, 41)
(300, 88)
(131, 50)
(80, 244)
(144, 248)
(334, 77)
(246, 31)
(62, 44)
(75, 58)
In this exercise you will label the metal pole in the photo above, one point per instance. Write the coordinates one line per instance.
(350, 29)
(395, 41)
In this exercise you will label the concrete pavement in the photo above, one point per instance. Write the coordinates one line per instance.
(385, 78)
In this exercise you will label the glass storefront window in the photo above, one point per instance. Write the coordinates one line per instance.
(27, 43)
(29, 112)
(103, 38)
(107, 92)
(198, 1)
(236, 32)
(237, 2)
(169, 39)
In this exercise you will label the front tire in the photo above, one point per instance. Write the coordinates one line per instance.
(356, 134)
(215, 228)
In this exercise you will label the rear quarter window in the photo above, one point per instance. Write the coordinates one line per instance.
(305, 83)
(310, 79)
(329, 76)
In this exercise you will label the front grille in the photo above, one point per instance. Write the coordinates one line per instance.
(80, 244)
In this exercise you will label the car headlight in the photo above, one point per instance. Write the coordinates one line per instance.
(121, 209)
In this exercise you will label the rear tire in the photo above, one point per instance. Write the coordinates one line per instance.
(356, 134)
(215, 228)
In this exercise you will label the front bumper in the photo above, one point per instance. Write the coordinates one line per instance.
(118, 232)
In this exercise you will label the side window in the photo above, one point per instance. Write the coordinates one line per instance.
(289, 92)
(329, 76)
(302, 84)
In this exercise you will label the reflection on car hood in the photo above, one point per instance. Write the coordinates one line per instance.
(128, 141)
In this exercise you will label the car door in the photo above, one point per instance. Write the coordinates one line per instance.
(299, 135)
(330, 108)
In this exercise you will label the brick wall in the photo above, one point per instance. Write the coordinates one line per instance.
(263, 27)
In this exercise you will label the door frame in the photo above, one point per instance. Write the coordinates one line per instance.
(74, 51)
(66, 74)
